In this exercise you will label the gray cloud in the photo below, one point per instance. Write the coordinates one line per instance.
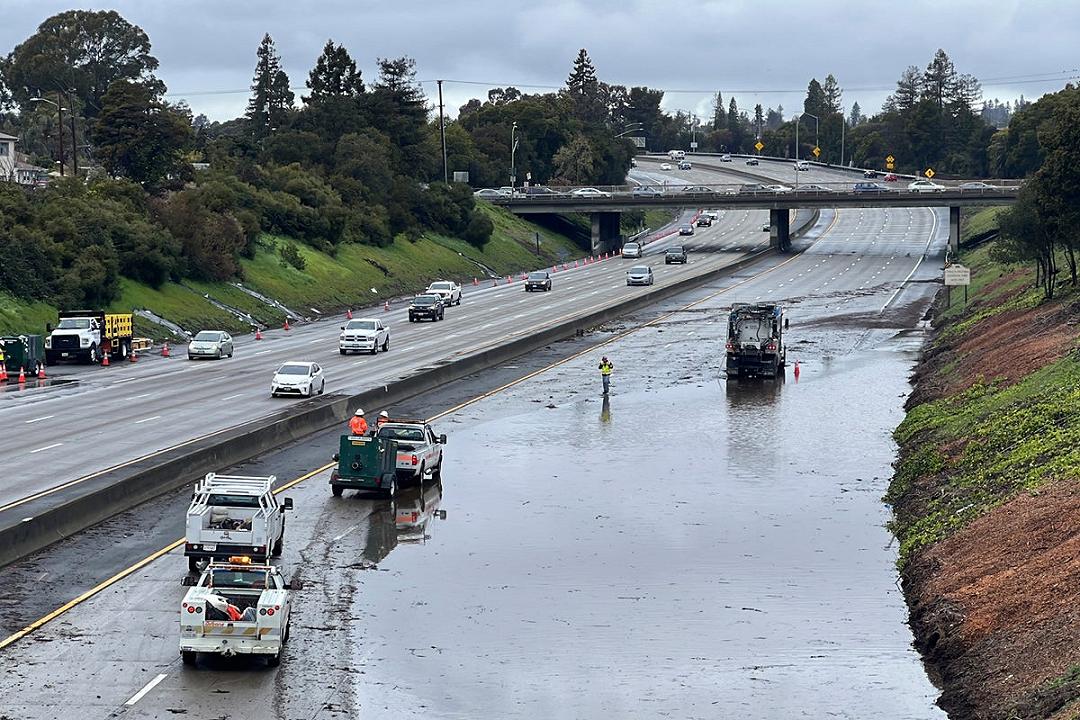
(764, 51)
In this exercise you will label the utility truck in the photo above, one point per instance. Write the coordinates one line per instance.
(419, 449)
(88, 335)
(236, 608)
(234, 515)
(755, 344)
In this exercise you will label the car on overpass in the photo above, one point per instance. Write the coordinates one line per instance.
(639, 275)
(979, 185)
(869, 187)
(752, 161)
(777, 189)
(925, 186)
(590, 192)
(696, 189)
(752, 188)
(812, 188)
(303, 379)
(631, 250)
(870, 174)
(646, 191)
(488, 193)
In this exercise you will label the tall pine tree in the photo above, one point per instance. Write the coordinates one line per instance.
(271, 98)
(833, 94)
(719, 121)
(582, 79)
(334, 75)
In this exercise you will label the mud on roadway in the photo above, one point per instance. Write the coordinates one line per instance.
(686, 547)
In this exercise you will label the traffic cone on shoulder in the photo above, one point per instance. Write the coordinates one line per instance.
(105, 359)
(796, 370)
(133, 357)
(41, 369)
(286, 325)
(348, 314)
(3, 373)
(22, 376)
(554, 269)
(258, 334)
(165, 349)
(576, 263)
(475, 282)
(386, 306)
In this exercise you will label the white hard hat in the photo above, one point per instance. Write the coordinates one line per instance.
(359, 412)
(384, 414)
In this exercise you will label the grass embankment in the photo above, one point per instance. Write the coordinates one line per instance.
(979, 222)
(985, 497)
(327, 283)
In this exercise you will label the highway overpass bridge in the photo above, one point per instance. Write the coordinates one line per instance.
(605, 204)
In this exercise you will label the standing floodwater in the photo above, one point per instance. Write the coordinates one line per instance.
(685, 548)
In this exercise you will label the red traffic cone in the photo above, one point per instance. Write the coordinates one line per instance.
(22, 376)
(386, 306)
(348, 314)
(258, 334)
(133, 357)
(286, 325)
(796, 369)
(3, 373)
(105, 359)
(475, 282)
(576, 263)
(165, 349)
(41, 369)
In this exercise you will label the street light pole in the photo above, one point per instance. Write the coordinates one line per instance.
(513, 149)
(843, 127)
(60, 126)
(442, 135)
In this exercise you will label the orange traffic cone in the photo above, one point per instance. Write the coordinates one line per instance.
(105, 359)
(22, 376)
(386, 306)
(475, 282)
(41, 370)
(554, 269)
(3, 373)
(258, 334)
(796, 370)
(134, 356)
(348, 314)
(286, 325)
(165, 349)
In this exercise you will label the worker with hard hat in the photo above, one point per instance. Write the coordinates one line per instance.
(357, 423)
(384, 417)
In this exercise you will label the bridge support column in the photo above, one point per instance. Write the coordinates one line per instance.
(605, 231)
(780, 229)
(954, 230)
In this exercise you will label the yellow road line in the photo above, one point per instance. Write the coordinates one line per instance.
(16, 636)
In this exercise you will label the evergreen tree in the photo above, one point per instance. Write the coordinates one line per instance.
(774, 118)
(815, 103)
(334, 75)
(735, 127)
(398, 108)
(582, 79)
(759, 120)
(856, 116)
(939, 80)
(719, 121)
(833, 94)
(271, 97)
(909, 88)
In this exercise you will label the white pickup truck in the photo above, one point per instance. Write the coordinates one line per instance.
(449, 291)
(419, 449)
(236, 608)
(234, 515)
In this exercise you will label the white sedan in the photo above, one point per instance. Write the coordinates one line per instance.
(366, 335)
(665, 166)
(590, 192)
(298, 378)
(491, 193)
(921, 186)
(777, 189)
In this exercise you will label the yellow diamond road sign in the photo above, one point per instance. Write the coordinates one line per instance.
(817, 152)
(759, 145)
(890, 159)
(889, 166)
(929, 172)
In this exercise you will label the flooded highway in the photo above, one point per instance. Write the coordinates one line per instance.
(687, 547)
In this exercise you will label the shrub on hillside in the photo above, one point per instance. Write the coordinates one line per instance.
(290, 255)
(479, 230)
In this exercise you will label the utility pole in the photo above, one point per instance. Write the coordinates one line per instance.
(74, 141)
(60, 129)
(513, 149)
(442, 135)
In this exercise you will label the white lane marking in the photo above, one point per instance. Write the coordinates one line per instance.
(47, 447)
(142, 396)
(117, 382)
(230, 397)
(146, 688)
(485, 327)
(316, 340)
(347, 531)
(43, 417)
(262, 352)
(155, 417)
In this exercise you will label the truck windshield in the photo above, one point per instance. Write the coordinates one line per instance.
(440, 286)
(238, 579)
(73, 324)
(361, 325)
(424, 300)
(233, 500)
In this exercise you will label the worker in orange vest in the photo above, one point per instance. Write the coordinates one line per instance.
(357, 424)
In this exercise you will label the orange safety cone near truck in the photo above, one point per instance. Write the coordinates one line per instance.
(258, 334)
(41, 369)
(3, 373)
(105, 359)
(165, 349)
(348, 314)
(286, 325)
(22, 376)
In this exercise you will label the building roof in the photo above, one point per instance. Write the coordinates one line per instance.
(5, 136)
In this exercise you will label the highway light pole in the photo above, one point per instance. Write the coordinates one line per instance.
(843, 127)
(513, 149)
(442, 135)
(60, 126)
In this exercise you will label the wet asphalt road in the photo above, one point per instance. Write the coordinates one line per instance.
(691, 548)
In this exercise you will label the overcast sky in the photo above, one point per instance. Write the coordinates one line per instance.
(761, 51)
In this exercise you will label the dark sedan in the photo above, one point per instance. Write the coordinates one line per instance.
(538, 280)
(675, 254)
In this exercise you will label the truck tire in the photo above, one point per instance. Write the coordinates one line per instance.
(189, 657)
(276, 550)
(436, 472)
(273, 660)
(337, 490)
(92, 356)
(193, 564)
(386, 345)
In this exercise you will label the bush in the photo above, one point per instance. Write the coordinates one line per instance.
(479, 230)
(290, 254)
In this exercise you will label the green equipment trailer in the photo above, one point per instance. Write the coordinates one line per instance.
(365, 463)
(24, 352)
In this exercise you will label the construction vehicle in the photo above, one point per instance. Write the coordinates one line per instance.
(89, 335)
(419, 449)
(22, 353)
(234, 515)
(366, 463)
(236, 608)
(755, 344)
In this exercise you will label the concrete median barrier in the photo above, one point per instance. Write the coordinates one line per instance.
(37, 523)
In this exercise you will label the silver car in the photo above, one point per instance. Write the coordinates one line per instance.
(639, 275)
(210, 344)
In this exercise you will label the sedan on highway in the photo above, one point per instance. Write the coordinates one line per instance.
(868, 187)
(685, 165)
(490, 193)
(751, 161)
(778, 189)
(675, 254)
(870, 174)
(639, 275)
(725, 158)
(924, 186)
(364, 335)
(704, 221)
(298, 378)
(210, 344)
(891, 177)
(631, 250)
(665, 166)
(979, 185)
(538, 280)
(686, 229)
(646, 191)
(590, 192)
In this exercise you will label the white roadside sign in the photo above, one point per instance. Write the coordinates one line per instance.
(957, 275)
